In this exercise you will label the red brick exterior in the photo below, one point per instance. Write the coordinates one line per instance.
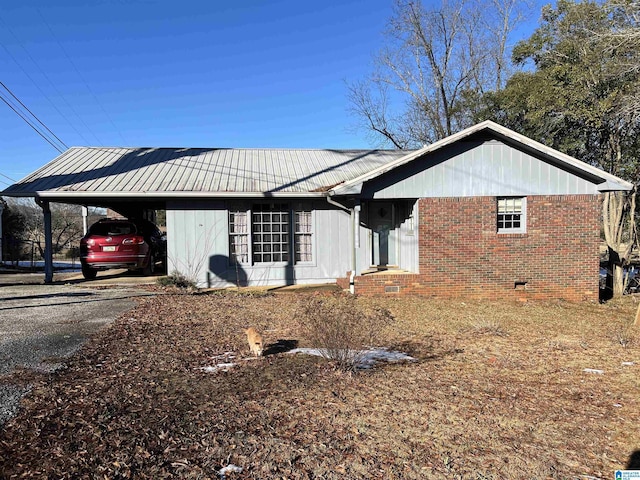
(462, 255)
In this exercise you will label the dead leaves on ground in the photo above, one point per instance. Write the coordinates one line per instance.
(134, 402)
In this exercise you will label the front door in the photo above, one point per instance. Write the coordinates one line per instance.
(382, 229)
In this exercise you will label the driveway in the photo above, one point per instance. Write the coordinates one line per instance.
(41, 325)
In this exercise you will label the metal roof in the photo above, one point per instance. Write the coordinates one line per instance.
(98, 172)
(133, 172)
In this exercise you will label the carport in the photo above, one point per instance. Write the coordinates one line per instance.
(126, 206)
(107, 178)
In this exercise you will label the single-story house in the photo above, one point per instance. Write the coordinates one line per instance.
(485, 212)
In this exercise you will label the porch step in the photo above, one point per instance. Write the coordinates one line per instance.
(383, 269)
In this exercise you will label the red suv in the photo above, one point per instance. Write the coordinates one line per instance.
(116, 243)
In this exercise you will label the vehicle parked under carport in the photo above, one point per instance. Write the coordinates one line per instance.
(120, 243)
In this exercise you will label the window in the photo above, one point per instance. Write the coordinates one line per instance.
(303, 236)
(512, 215)
(267, 237)
(270, 233)
(238, 236)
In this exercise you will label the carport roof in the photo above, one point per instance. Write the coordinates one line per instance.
(134, 172)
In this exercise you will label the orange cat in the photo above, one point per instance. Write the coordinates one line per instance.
(255, 341)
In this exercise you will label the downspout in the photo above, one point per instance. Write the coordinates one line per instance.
(355, 234)
(356, 244)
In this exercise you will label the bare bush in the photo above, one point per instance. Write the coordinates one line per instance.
(624, 335)
(489, 326)
(178, 280)
(340, 328)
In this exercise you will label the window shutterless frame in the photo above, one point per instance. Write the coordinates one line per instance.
(511, 214)
(269, 233)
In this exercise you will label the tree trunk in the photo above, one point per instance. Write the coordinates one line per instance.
(618, 215)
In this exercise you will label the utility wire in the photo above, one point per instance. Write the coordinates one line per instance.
(86, 142)
(3, 175)
(48, 79)
(80, 75)
(50, 142)
(35, 116)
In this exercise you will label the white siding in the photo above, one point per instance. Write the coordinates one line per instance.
(197, 236)
(485, 169)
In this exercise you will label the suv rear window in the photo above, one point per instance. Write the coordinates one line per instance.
(107, 228)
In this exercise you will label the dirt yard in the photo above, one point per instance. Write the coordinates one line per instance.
(498, 391)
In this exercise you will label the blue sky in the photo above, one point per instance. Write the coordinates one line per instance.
(247, 73)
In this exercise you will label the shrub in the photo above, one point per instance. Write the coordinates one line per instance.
(624, 335)
(488, 327)
(177, 279)
(339, 328)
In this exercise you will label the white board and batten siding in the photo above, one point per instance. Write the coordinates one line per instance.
(199, 247)
(490, 168)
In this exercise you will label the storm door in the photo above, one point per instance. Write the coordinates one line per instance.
(381, 222)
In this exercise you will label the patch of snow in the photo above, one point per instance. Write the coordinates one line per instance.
(628, 364)
(593, 370)
(229, 469)
(220, 366)
(364, 359)
(224, 356)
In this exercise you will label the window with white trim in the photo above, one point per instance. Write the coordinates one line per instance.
(267, 237)
(512, 216)
(270, 233)
(238, 236)
(303, 232)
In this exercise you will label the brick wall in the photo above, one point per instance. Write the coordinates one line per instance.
(462, 255)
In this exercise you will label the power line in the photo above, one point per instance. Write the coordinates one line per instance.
(3, 175)
(50, 142)
(80, 75)
(35, 116)
(48, 79)
(86, 142)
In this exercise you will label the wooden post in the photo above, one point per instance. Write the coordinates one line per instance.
(48, 243)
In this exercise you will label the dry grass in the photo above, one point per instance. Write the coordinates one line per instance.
(481, 403)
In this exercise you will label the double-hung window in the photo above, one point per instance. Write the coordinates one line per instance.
(303, 232)
(512, 214)
(271, 233)
(238, 235)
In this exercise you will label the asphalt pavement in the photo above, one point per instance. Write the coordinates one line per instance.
(42, 325)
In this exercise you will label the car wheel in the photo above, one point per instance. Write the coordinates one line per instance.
(88, 272)
(151, 266)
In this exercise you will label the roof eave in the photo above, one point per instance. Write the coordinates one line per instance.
(173, 195)
(611, 186)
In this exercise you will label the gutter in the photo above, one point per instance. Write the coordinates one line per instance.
(160, 195)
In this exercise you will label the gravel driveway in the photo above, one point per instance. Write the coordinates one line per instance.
(40, 325)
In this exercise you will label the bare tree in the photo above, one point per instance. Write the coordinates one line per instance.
(435, 67)
(619, 225)
(66, 224)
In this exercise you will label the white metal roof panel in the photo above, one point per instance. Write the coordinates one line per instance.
(200, 170)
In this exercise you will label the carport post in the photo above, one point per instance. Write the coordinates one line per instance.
(48, 244)
(85, 213)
